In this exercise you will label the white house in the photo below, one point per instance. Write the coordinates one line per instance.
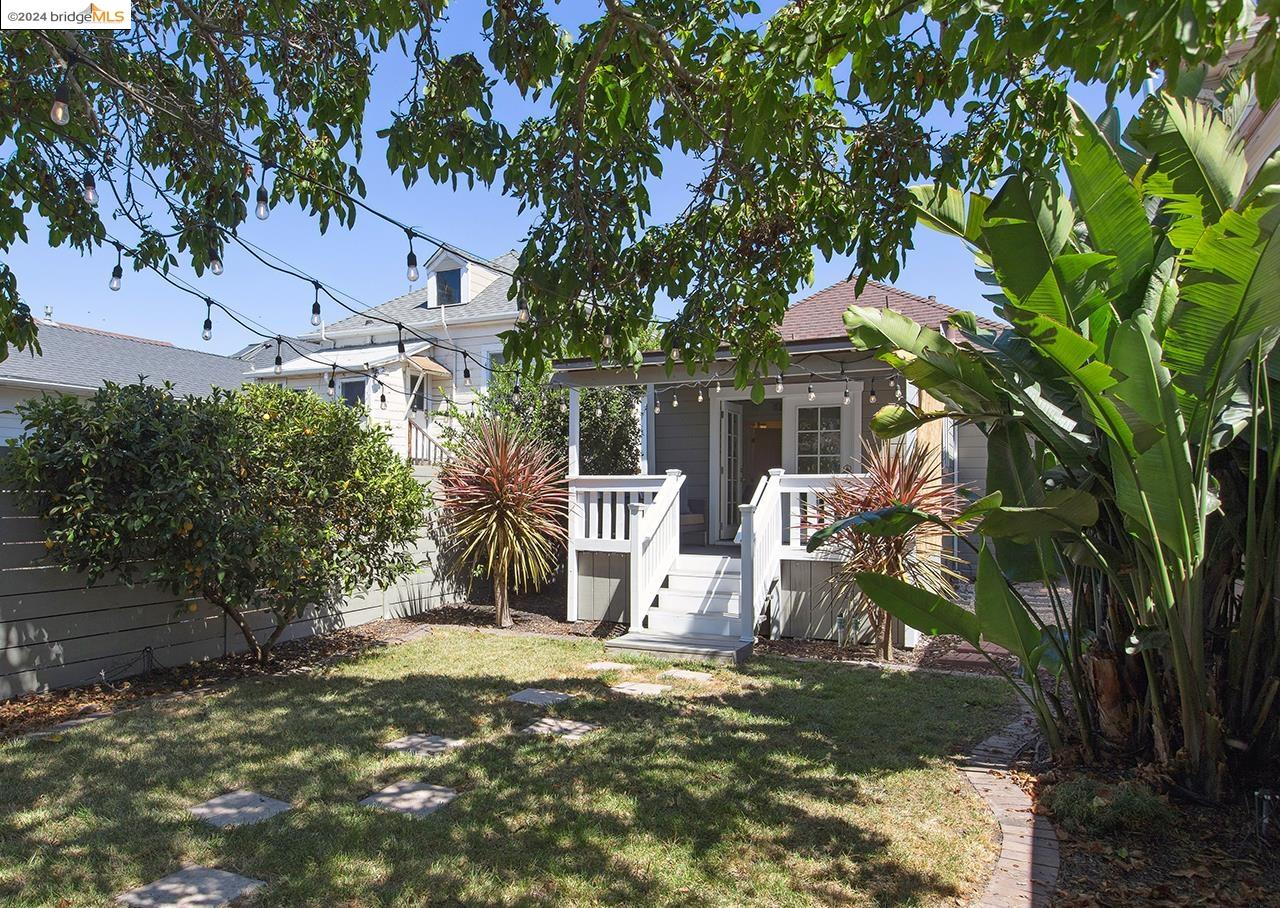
(379, 360)
(711, 537)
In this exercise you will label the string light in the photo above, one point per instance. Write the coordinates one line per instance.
(811, 394)
(117, 272)
(657, 406)
(90, 189)
(215, 263)
(315, 307)
(599, 411)
(717, 386)
(400, 339)
(382, 400)
(777, 386)
(515, 394)
(263, 209)
(873, 397)
(207, 333)
(411, 261)
(466, 372)
(699, 393)
(846, 392)
(60, 111)
(522, 311)
(675, 399)
(279, 366)
(332, 387)
(607, 341)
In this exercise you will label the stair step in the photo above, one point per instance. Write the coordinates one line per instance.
(667, 621)
(707, 565)
(693, 602)
(696, 647)
(702, 583)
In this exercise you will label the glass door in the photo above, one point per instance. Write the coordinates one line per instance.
(730, 468)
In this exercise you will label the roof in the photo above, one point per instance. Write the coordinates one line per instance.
(821, 316)
(346, 359)
(411, 308)
(263, 353)
(76, 357)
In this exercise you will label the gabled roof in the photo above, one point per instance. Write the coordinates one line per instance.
(411, 309)
(77, 357)
(821, 316)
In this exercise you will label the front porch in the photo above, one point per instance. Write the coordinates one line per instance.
(706, 547)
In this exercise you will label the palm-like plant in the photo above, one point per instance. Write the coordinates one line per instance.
(894, 476)
(504, 499)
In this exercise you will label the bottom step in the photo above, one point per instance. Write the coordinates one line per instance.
(688, 646)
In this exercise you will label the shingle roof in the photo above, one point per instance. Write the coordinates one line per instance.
(821, 316)
(77, 357)
(411, 308)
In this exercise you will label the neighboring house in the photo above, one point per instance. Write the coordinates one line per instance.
(710, 537)
(462, 306)
(76, 360)
(1257, 128)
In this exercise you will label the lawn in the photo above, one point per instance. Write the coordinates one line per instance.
(780, 783)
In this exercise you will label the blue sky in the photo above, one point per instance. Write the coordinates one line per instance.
(367, 261)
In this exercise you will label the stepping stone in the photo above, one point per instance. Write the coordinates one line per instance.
(63, 727)
(238, 808)
(192, 887)
(537, 696)
(640, 688)
(684, 674)
(566, 729)
(609, 667)
(424, 745)
(415, 798)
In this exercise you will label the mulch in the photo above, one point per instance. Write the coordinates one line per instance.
(20, 715)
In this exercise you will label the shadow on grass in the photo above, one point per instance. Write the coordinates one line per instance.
(754, 795)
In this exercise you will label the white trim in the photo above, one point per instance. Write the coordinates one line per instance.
(575, 428)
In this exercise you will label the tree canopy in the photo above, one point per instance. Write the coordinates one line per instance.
(807, 122)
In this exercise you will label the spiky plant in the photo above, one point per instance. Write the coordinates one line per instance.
(895, 475)
(504, 501)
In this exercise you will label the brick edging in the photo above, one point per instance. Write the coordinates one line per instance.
(1026, 872)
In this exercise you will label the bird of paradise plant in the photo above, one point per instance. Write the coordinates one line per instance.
(504, 499)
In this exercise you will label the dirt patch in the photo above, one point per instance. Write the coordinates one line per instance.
(542, 612)
(33, 711)
(1203, 856)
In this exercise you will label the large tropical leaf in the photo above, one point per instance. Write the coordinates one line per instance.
(948, 210)
(891, 521)
(1027, 225)
(924, 611)
(1063, 511)
(1194, 148)
(1002, 618)
(1108, 201)
(1012, 472)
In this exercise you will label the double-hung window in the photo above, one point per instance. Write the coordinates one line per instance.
(818, 439)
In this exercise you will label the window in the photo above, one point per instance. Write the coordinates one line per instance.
(353, 393)
(818, 439)
(418, 397)
(449, 287)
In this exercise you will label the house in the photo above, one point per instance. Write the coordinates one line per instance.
(77, 360)
(710, 538)
(401, 360)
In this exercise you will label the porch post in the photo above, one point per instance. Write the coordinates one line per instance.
(573, 431)
(644, 415)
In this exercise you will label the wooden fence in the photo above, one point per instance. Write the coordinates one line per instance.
(56, 632)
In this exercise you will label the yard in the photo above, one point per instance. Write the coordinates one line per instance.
(781, 783)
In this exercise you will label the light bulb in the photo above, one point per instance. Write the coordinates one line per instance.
(315, 315)
(873, 397)
(466, 376)
(846, 393)
(599, 412)
(717, 387)
(657, 406)
(332, 390)
(675, 401)
(60, 113)
(522, 312)
(411, 261)
(215, 265)
(564, 407)
(116, 273)
(811, 394)
(382, 400)
(279, 366)
(607, 341)
(90, 189)
(777, 386)
(515, 395)
(263, 209)
(699, 394)
(207, 333)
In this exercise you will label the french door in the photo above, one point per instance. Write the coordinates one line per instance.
(730, 468)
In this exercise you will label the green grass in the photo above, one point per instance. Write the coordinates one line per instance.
(782, 783)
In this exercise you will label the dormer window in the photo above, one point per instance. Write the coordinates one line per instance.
(449, 287)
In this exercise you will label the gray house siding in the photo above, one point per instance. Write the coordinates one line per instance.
(56, 632)
(682, 442)
(603, 590)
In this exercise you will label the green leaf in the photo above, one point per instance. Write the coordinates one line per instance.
(927, 612)
(894, 420)
(978, 508)
(1063, 511)
(1194, 148)
(1109, 203)
(1002, 618)
(1027, 225)
(891, 521)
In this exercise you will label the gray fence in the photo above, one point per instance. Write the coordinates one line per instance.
(56, 632)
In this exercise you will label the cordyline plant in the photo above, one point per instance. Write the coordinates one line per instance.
(504, 496)
(263, 500)
(894, 475)
(1132, 446)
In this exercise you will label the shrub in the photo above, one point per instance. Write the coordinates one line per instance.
(1085, 805)
(504, 497)
(260, 499)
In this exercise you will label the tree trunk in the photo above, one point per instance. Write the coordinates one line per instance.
(255, 649)
(885, 635)
(282, 622)
(501, 604)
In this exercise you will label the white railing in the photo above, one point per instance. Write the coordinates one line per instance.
(761, 551)
(655, 545)
(422, 448)
(806, 505)
(599, 509)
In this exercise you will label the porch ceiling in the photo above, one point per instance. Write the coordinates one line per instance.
(822, 358)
